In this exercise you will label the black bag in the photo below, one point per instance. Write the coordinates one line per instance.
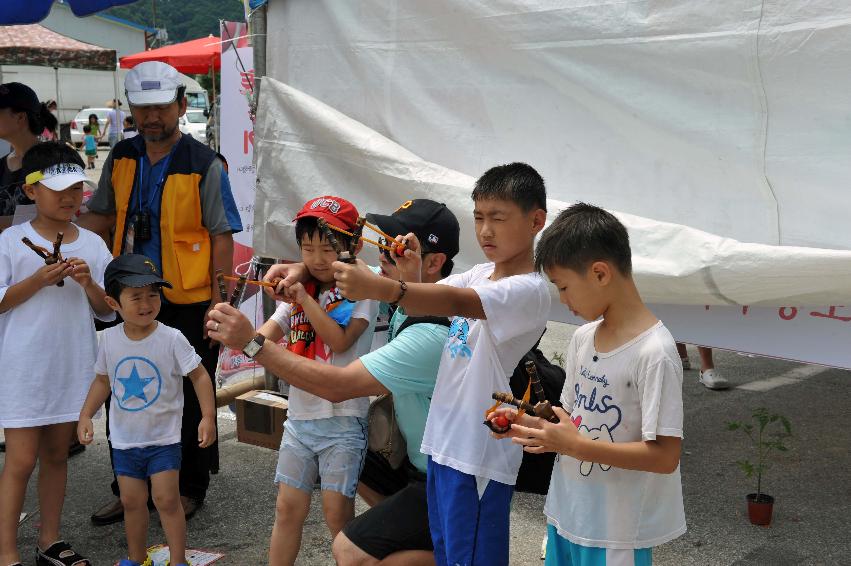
(536, 469)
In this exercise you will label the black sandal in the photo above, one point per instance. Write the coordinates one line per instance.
(60, 553)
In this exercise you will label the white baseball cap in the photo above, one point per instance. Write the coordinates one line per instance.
(152, 83)
(59, 177)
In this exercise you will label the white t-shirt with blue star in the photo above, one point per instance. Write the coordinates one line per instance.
(146, 378)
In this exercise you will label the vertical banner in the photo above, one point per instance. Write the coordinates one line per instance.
(236, 139)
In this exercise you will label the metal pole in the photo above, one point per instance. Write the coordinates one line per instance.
(58, 104)
(257, 30)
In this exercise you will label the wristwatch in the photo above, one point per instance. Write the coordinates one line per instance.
(253, 347)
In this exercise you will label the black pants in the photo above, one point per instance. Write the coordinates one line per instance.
(197, 462)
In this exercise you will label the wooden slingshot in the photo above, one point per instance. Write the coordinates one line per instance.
(238, 289)
(357, 235)
(48, 257)
(542, 408)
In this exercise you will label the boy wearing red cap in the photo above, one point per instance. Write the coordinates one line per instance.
(320, 438)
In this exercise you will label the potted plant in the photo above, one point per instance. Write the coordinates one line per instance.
(767, 432)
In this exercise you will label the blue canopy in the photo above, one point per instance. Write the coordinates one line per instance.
(33, 11)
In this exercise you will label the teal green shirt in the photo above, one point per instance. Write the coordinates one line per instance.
(407, 366)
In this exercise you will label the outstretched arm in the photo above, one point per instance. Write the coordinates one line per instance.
(324, 380)
(357, 282)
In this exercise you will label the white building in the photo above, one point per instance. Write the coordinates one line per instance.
(100, 29)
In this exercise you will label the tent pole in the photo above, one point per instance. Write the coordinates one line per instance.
(115, 88)
(58, 103)
(213, 80)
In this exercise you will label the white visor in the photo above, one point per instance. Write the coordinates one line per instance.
(60, 177)
(151, 97)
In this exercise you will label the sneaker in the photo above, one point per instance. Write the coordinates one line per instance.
(686, 364)
(712, 380)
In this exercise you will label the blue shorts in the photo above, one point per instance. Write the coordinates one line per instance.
(562, 552)
(332, 449)
(467, 529)
(142, 463)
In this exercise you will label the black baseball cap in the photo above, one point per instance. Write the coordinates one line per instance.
(432, 222)
(133, 270)
(19, 97)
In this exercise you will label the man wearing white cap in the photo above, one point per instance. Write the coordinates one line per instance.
(167, 196)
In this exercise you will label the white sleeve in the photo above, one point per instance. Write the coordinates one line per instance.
(660, 390)
(5, 266)
(514, 306)
(98, 268)
(367, 310)
(100, 361)
(568, 392)
(457, 280)
(185, 356)
(281, 316)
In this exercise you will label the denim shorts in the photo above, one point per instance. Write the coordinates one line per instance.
(142, 463)
(332, 449)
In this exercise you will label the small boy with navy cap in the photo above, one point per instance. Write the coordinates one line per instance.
(142, 363)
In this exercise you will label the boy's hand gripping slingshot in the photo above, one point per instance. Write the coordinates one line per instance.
(49, 258)
(357, 236)
(541, 409)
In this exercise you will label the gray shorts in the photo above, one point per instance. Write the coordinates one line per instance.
(332, 449)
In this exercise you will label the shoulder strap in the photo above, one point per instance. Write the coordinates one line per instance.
(412, 320)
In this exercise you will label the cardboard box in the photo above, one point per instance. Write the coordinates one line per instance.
(260, 417)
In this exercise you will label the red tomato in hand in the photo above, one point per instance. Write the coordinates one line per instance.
(501, 422)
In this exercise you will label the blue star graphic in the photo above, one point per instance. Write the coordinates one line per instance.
(134, 386)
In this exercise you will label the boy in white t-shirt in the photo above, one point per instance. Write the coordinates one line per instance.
(615, 490)
(320, 438)
(499, 311)
(142, 363)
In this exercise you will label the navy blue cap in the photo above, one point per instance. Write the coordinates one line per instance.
(133, 270)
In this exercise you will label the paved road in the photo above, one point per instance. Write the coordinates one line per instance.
(810, 483)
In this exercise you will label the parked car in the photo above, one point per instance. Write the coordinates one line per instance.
(82, 118)
(194, 123)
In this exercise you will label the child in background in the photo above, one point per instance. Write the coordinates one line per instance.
(615, 490)
(499, 312)
(129, 128)
(320, 438)
(95, 126)
(143, 362)
(90, 146)
(47, 345)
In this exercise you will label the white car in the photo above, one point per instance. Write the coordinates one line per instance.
(194, 123)
(82, 118)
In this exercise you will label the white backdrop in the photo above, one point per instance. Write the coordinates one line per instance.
(731, 116)
(686, 116)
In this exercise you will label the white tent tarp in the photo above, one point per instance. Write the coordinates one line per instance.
(690, 117)
(731, 117)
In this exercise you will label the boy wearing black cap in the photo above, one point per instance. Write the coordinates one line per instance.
(142, 362)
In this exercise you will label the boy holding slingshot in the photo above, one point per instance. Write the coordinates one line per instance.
(41, 395)
(320, 438)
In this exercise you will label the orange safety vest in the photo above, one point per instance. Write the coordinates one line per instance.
(185, 243)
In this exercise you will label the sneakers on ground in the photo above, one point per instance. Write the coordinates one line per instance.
(686, 364)
(712, 380)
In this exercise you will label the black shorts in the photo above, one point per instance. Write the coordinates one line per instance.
(381, 478)
(398, 523)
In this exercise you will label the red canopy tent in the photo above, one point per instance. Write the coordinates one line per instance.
(195, 57)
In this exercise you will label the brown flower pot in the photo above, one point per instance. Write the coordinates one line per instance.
(759, 509)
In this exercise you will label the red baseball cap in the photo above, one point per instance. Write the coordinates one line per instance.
(335, 210)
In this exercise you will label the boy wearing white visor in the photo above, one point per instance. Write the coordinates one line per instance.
(48, 294)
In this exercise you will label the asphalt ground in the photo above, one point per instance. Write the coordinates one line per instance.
(810, 483)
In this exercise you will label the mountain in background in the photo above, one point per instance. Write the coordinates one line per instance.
(184, 20)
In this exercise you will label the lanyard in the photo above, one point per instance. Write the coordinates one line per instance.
(158, 187)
